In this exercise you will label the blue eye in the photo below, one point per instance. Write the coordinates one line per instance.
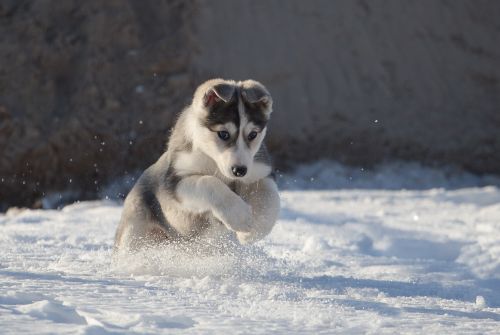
(223, 135)
(252, 135)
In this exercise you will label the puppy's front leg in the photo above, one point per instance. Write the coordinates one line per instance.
(206, 193)
(263, 196)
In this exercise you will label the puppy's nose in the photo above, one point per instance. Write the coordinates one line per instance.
(239, 171)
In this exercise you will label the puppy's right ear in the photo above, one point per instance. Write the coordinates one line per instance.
(217, 93)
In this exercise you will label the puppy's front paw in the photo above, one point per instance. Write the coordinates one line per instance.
(236, 216)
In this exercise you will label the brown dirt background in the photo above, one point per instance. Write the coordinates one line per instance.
(89, 89)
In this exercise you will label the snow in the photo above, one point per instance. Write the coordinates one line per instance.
(399, 249)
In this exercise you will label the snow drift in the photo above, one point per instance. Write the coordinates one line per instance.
(371, 258)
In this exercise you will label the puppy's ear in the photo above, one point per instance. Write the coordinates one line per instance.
(220, 92)
(256, 94)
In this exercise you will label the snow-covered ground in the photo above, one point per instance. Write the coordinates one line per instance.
(351, 253)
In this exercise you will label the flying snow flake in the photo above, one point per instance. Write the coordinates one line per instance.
(139, 89)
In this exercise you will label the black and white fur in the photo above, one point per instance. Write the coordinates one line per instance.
(215, 178)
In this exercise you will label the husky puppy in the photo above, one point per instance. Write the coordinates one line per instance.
(214, 178)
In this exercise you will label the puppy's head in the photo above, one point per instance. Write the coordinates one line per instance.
(232, 121)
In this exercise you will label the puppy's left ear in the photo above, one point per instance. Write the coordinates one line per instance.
(257, 95)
